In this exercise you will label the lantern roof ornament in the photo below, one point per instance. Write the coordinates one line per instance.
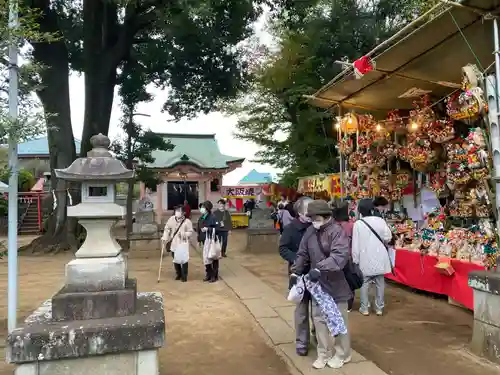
(99, 165)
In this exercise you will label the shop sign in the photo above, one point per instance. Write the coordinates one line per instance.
(240, 192)
(335, 185)
(314, 184)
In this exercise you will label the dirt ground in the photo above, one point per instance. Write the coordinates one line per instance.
(208, 329)
(419, 335)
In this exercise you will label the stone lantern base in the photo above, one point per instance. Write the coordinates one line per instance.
(486, 331)
(96, 324)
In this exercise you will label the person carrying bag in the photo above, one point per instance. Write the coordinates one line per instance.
(369, 251)
(175, 239)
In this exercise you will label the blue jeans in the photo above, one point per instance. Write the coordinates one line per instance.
(222, 237)
(379, 281)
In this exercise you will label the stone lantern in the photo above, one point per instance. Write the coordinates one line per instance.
(97, 323)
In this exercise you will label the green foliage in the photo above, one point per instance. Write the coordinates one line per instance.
(311, 35)
(189, 47)
(30, 122)
(25, 179)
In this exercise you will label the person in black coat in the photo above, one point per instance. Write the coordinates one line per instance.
(206, 225)
(289, 245)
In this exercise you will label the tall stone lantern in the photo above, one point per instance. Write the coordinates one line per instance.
(97, 323)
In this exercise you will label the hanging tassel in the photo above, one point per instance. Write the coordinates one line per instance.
(54, 198)
(70, 198)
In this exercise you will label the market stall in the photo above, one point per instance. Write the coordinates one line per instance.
(236, 196)
(420, 129)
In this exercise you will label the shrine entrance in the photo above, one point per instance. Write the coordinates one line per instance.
(178, 191)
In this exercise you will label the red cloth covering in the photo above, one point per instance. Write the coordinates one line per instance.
(419, 272)
(239, 204)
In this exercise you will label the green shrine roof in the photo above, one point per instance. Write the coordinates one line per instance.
(200, 150)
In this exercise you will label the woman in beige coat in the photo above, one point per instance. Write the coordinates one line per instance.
(177, 232)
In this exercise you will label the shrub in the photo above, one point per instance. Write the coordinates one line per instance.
(25, 179)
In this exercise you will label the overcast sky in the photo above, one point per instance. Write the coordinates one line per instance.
(214, 123)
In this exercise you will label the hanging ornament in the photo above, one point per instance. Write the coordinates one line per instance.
(362, 66)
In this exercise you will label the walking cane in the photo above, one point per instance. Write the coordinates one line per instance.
(161, 261)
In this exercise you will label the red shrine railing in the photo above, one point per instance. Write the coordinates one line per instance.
(26, 200)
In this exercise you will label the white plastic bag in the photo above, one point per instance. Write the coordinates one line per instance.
(181, 253)
(297, 291)
(206, 251)
(214, 251)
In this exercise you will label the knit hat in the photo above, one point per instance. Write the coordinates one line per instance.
(319, 207)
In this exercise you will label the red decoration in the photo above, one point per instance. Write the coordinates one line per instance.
(239, 204)
(362, 66)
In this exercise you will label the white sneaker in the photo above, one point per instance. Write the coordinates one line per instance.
(363, 312)
(320, 363)
(379, 312)
(337, 362)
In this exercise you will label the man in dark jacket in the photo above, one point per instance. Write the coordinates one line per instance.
(289, 245)
(223, 216)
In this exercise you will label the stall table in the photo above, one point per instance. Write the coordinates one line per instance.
(419, 272)
(239, 219)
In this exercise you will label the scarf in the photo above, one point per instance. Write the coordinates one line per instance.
(329, 309)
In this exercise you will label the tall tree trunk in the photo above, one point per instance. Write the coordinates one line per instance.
(100, 37)
(99, 95)
(54, 96)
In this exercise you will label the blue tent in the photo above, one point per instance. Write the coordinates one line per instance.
(257, 178)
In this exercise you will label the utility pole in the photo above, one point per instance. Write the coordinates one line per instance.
(13, 216)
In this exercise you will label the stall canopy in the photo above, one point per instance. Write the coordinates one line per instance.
(426, 57)
(4, 188)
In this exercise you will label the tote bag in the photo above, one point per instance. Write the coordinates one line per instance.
(181, 253)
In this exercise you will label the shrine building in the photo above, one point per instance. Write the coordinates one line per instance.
(192, 171)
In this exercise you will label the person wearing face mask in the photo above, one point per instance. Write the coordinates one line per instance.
(324, 251)
(289, 245)
(178, 229)
(370, 236)
(206, 224)
(224, 219)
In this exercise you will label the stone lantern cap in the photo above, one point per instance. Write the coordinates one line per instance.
(99, 165)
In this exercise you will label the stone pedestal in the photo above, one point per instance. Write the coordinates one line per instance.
(262, 240)
(97, 323)
(486, 331)
(262, 236)
(120, 345)
(100, 238)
